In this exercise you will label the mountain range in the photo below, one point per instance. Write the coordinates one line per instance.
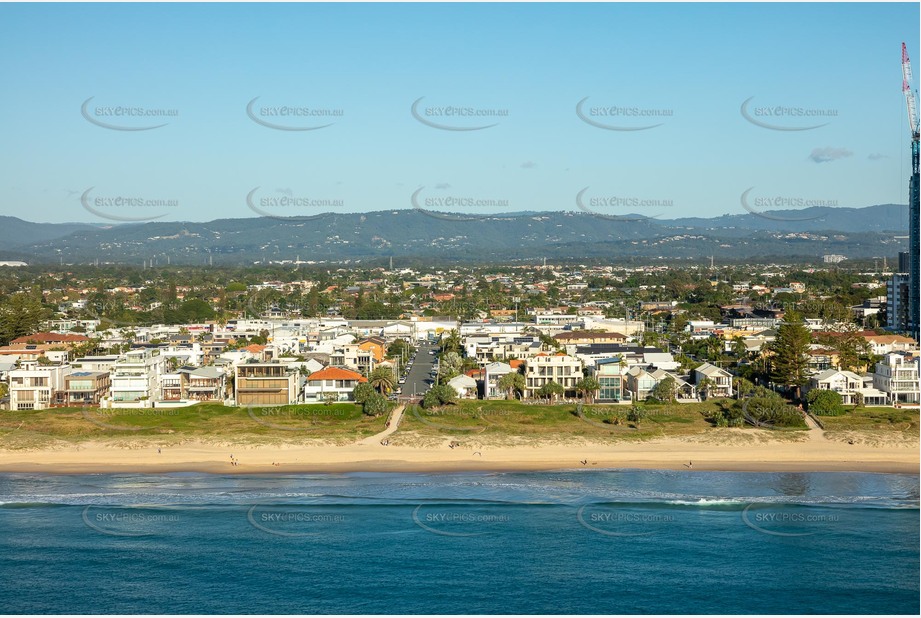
(873, 231)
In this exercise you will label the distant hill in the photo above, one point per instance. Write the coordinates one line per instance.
(14, 232)
(881, 218)
(853, 232)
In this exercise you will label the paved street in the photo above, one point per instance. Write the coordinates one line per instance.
(418, 381)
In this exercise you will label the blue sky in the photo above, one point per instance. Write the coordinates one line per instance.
(533, 63)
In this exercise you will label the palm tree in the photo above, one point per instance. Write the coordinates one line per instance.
(587, 388)
(551, 390)
(382, 379)
(704, 387)
(451, 342)
(510, 383)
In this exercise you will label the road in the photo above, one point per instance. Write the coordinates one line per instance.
(418, 381)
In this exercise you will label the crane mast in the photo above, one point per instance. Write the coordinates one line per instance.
(914, 319)
(909, 95)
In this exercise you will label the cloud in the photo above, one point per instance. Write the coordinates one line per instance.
(285, 191)
(529, 165)
(827, 154)
(442, 186)
(876, 156)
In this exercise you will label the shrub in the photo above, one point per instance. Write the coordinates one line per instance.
(362, 392)
(375, 405)
(824, 403)
(438, 396)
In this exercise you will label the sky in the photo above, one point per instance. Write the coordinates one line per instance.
(667, 110)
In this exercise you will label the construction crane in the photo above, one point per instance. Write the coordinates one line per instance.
(913, 206)
(912, 108)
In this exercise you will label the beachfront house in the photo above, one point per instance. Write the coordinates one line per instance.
(83, 388)
(34, 386)
(720, 379)
(492, 373)
(265, 384)
(610, 375)
(465, 386)
(847, 384)
(194, 384)
(333, 383)
(136, 376)
(639, 383)
(561, 368)
(897, 376)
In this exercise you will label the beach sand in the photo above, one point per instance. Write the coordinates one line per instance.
(723, 449)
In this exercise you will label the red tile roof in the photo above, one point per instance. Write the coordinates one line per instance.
(336, 373)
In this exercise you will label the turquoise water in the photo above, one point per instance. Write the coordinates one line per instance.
(588, 542)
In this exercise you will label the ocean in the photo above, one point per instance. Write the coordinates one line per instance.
(580, 541)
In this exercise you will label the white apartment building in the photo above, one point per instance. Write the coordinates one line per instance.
(352, 357)
(561, 368)
(493, 372)
(847, 384)
(32, 386)
(136, 376)
(897, 376)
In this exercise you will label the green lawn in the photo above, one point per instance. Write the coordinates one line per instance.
(873, 418)
(534, 420)
(339, 422)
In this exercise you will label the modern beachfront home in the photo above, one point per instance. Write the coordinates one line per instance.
(265, 384)
(333, 383)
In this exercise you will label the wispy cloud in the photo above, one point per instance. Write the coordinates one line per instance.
(442, 186)
(828, 154)
(876, 156)
(529, 165)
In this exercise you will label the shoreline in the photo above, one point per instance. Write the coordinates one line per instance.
(411, 468)
(812, 455)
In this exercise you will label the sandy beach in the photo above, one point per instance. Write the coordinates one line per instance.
(726, 450)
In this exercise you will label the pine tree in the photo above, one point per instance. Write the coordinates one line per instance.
(20, 314)
(790, 359)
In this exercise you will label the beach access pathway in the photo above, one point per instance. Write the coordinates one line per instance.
(396, 415)
(816, 431)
